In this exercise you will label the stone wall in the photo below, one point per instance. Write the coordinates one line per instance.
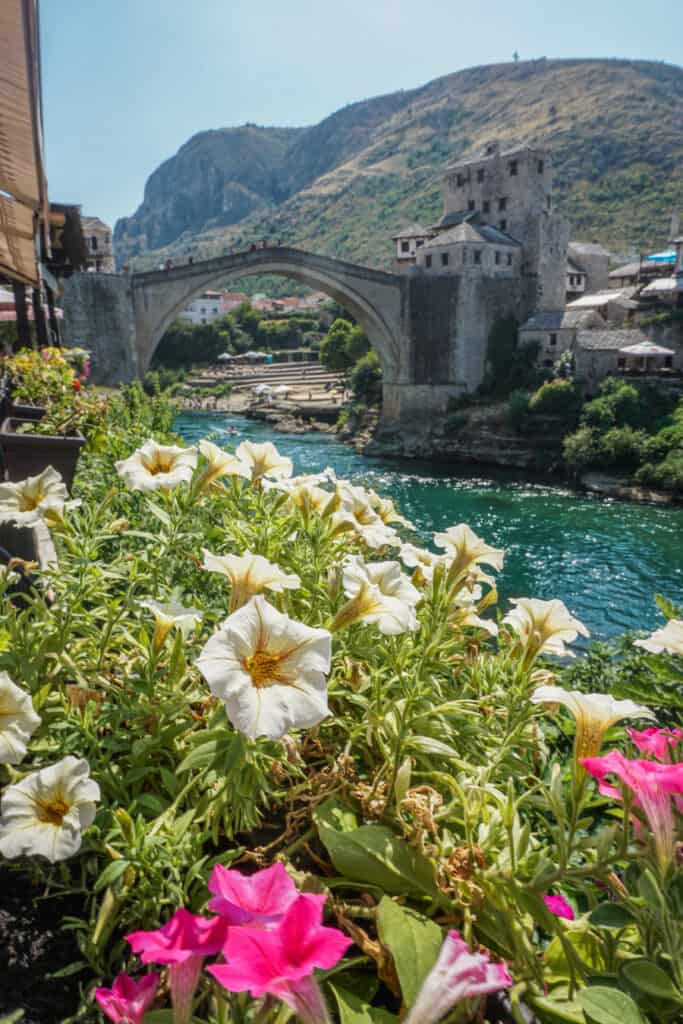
(98, 315)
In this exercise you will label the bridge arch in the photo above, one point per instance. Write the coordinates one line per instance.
(371, 296)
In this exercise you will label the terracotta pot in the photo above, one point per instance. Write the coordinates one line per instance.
(29, 454)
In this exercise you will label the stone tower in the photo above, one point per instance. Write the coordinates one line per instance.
(512, 190)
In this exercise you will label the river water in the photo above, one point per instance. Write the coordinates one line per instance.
(605, 559)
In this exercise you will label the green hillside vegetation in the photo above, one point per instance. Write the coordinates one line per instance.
(342, 187)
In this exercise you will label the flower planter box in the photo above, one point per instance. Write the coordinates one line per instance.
(29, 454)
(26, 412)
(30, 543)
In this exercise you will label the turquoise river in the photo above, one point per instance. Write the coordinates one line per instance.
(605, 559)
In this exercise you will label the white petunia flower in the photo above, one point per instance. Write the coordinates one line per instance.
(465, 611)
(45, 814)
(156, 467)
(269, 670)
(308, 498)
(423, 560)
(380, 595)
(594, 714)
(356, 512)
(168, 615)
(387, 511)
(18, 721)
(667, 640)
(28, 501)
(263, 460)
(467, 551)
(220, 463)
(249, 574)
(544, 627)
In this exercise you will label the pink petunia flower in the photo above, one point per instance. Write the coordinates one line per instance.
(652, 785)
(127, 999)
(261, 899)
(457, 974)
(558, 906)
(182, 943)
(658, 743)
(280, 961)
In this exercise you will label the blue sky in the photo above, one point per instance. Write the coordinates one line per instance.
(127, 82)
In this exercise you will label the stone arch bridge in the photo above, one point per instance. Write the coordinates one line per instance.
(414, 321)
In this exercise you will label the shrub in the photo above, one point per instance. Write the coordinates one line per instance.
(517, 414)
(560, 398)
(581, 449)
(366, 379)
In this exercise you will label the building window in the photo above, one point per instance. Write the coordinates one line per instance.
(502, 204)
(503, 224)
(461, 180)
(486, 206)
(621, 362)
(444, 259)
(548, 202)
(540, 166)
(419, 242)
(509, 259)
(107, 239)
(513, 168)
(464, 256)
(477, 255)
(481, 174)
(553, 339)
(405, 246)
(547, 363)
(428, 261)
(497, 258)
(471, 205)
(93, 244)
(668, 362)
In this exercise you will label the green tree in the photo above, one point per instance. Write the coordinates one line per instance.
(366, 379)
(334, 352)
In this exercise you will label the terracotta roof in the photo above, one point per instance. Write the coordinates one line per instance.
(608, 340)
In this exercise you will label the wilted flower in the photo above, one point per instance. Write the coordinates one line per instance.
(594, 714)
(260, 899)
(156, 467)
(128, 1000)
(168, 615)
(543, 627)
(249, 574)
(45, 813)
(667, 640)
(657, 742)
(467, 551)
(558, 906)
(458, 974)
(18, 721)
(380, 595)
(28, 501)
(263, 460)
(269, 670)
(220, 463)
(652, 785)
(182, 943)
(281, 961)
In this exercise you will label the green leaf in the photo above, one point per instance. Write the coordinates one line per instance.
(414, 942)
(650, 978)
(353, 1010)
(111, 873)
(603, 1005)
(556, 1011)
(12, 1018)
(67, 972)
(611, 915)
(373, 854)
(337, 815)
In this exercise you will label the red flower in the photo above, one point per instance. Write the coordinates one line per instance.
(76, 384)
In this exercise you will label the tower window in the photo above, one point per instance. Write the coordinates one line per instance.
(477, 255)
(513, 168)
(486, 206)
(502, 204)
(509, 259)
(461, 179)
(540, 166)
(428, 261)
(93, 244)
(405, 246)
(548, 201)
(471, 205)
(553, 339)
(503, 224)
(497, 258)
(481, 174)
(419, 242)
(444, 259)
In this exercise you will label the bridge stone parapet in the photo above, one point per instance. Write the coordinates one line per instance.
(429, 331)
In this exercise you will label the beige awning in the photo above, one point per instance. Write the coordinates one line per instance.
(23, 189)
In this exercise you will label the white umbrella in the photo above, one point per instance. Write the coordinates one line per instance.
(262, 389)
(281, 389)
(646, 348)
(225, 357)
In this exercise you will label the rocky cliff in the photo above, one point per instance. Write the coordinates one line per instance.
(342, 186)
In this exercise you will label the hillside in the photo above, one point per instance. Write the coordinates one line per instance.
(341, 187)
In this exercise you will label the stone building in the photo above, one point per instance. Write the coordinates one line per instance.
(590, 261)
(598, 355)
(555, 332)
(98, 243)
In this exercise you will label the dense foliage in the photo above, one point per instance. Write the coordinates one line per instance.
(230, 669)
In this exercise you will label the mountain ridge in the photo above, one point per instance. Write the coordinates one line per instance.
(342, 186)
